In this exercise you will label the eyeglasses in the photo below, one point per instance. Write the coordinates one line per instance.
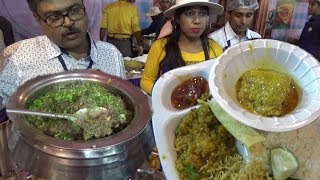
(56, 20)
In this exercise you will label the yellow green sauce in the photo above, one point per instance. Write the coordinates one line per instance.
(267, 92)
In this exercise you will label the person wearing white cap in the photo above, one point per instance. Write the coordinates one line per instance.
(310, 36)
(187, 44)
(156, 15)
(240, 15)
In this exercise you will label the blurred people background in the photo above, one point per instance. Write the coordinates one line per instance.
(310, 36)
(120, 22)
(166, 26)
(156, 15)
(240, 14)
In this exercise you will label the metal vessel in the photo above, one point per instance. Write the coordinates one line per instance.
(114, 157)
(147, 42)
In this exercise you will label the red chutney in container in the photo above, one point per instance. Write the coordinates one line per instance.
(186, 94)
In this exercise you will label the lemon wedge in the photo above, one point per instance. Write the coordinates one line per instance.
(283, 163)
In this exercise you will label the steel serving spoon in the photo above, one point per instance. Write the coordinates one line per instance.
(81, 114)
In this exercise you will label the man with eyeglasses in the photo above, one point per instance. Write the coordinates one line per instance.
(310, 36)
(66, 45)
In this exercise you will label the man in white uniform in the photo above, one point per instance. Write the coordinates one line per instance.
(240, 16)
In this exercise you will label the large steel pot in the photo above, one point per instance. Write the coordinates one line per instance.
(114, 157)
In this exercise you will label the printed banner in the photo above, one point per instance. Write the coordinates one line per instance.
(283, 14)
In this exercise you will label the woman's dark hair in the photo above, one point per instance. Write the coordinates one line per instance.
(7, 31)
(173, 57)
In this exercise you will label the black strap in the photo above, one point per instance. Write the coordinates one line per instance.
(64, 51)
(228, 41)
(226, 47)
(205, 50)
(3, 115)
(63, 64)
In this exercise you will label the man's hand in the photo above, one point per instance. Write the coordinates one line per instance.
(138, 49)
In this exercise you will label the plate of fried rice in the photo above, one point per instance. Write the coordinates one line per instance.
(193, 144)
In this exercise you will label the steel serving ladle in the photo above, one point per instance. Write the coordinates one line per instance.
(81, 114)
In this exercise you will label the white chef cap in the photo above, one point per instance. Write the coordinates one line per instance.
(242, 4)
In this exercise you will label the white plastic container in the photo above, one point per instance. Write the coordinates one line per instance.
(274, 55)
(166, 118)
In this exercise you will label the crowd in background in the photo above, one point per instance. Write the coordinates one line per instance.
(124, 23)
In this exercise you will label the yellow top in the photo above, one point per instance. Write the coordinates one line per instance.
(157, 53)
(120, 17)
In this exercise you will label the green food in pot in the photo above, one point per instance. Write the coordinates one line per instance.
(68, 99)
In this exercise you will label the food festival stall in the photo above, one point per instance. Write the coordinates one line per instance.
(125, 152)
(251, 137)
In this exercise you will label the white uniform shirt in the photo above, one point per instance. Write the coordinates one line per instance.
(38, 56)
(226, 33)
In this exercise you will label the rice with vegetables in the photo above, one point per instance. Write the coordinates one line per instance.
(206, 150)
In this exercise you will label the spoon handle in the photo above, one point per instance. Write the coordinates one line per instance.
(36, 113)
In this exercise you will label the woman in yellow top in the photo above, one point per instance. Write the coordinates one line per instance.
(187, 44)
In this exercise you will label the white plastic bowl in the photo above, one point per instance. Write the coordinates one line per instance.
(267, 54)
